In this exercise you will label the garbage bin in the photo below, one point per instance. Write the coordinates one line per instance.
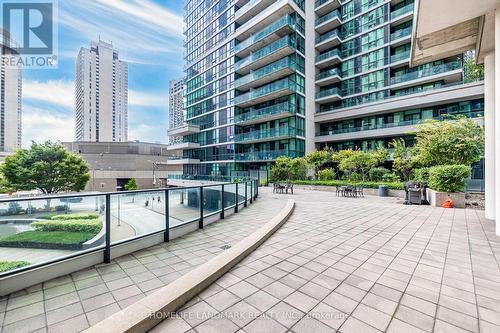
(383, 191)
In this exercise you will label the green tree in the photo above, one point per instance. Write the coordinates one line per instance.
(286, 168)
(131, 185)
(318, 159)
(47, 167)
(456, 141)
(404, 159)
(360, 162)
(472, 71)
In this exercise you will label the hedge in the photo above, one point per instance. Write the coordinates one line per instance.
(81, 216)
(391, 185)
(449, 178)
(10, 265)
(79, 225)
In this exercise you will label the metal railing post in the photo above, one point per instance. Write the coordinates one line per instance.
(251, 191)
(166, 235)
(257, 188)
(246, 194)
(222, 203)
(107, 250)
(200, 223)
(236, 199)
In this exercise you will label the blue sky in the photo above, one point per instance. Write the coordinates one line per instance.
(147, 34)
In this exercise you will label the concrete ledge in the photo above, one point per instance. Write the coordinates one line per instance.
(151, 310)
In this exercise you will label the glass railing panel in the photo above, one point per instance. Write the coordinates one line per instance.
(265, 134)
(267, 70)
(38, 231)
(328, 17)
(439, 69)
(184, 206)
(402, 11)
(136, 214)
(284, 107)
(327, 55)
(266, 51)
(401, 33)
(211, 199)
(328, 35)
(265, 90)
(241, 193)
(401, 56)
(328, 92)
(329, 73)
(229, 195)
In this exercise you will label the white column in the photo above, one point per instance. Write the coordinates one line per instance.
(489, 124)
(497, 115)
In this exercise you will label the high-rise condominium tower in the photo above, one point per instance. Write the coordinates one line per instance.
(10, 96)
(101, 95)
(266, 78)
(175, 108)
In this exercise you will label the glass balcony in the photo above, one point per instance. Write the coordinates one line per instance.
(267, 134)
(260, 55)
(328, 55)
(401, 33)
(329, 35)
(262, 34)
(270, 91)
(275, 68)
(328, 17)
(401, 11)
(329, 73)
(328, 93)
(400, 57)
(281, 110)
(369, 127)
(439, 69)
(266, 155)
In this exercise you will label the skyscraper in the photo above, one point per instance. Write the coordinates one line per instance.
(10, 97)
(270, 78)
(101, 95)
(175, 108)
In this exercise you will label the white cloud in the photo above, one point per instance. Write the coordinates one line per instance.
(147, 133)
(41, 125)
(141, 98)
(57, 92)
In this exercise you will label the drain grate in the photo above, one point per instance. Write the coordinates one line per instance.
(225, 247)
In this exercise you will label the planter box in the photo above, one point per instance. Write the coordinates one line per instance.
(437, 199)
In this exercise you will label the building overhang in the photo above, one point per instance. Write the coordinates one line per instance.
(448, 27)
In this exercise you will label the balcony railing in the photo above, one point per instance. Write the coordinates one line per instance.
(402, 11)
(328, 35)
(277, 109)
(401, 33)
(329, 92)
(439, 69)
(470, 114)
(101, 214)
(401, 56)
(244, 9)
(277, 132)
(264, 52)
(266, 90)
(267, 70)
(327, 17)
(282, 22)
(329, 73)
(266, 155)
(327, 55)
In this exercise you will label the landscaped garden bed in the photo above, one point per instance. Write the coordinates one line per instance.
(63, 232)
(6, 266)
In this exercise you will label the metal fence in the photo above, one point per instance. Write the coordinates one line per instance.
(38, 231)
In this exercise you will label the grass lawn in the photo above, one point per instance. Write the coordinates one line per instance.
(47, 239)
(10, 265)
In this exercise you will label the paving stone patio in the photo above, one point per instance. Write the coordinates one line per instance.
(74, 302)
(358, 265)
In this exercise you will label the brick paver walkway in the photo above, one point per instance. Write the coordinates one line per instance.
(359, 265)
(73, 302)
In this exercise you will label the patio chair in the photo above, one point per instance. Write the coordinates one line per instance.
(339, 190)
(289, 186)
(358, 190)
(278, 188)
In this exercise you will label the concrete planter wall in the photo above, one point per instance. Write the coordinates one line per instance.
(367, 191)
(437, 199)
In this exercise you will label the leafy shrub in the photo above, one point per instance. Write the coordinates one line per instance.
(377, 174)
(422, 175)
(326, 174)
(82, 216)
(449, 178)
(391, 185)
(79, 225)
(61, 208)
(10, 265)
(390, 177)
